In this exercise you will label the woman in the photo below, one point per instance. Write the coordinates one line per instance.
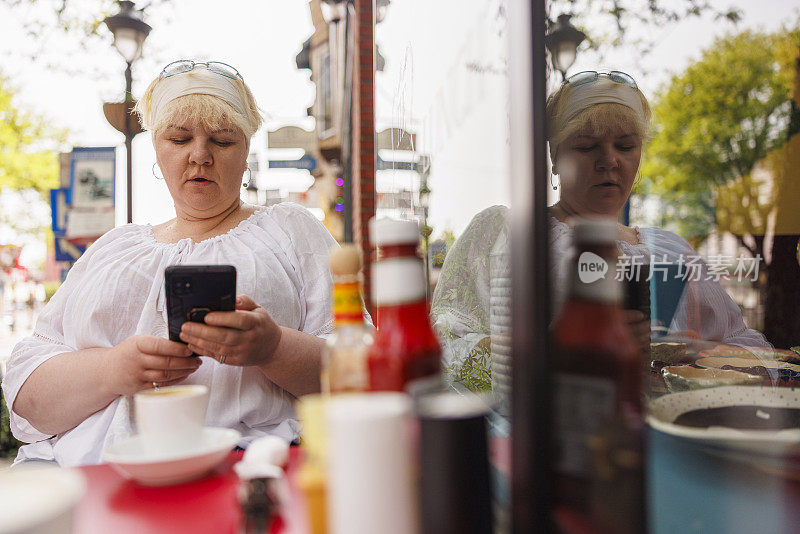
(597, 125)
(103, 336)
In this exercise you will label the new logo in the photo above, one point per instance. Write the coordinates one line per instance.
(591, 267)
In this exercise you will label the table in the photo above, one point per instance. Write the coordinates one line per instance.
(115, 505)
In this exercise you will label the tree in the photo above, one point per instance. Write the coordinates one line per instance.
(28, 168)
(609, 22)
(28, 148)
(721, 127)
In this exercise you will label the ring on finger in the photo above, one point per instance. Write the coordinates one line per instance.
(222, 359)
(155, 385)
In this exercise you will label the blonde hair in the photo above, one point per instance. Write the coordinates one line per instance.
(596, 120)
(208, 110)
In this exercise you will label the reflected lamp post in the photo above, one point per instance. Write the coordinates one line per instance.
(562, 42)
(129, 31)
(424, 169)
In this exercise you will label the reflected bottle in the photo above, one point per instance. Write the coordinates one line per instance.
(344, 361)
(598, 422)
(406, 352)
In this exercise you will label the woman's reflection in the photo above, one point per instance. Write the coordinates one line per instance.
(598, 123)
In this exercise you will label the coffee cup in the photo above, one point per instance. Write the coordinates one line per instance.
(170, 420)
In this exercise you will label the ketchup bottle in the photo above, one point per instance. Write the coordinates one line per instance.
(598, 423)
(405, 350)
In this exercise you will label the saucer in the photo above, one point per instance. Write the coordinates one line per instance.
(131, 460)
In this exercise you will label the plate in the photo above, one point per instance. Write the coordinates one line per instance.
(39, 499)
(129, 458)
(662, 413)
(754, 353)
(686, 377)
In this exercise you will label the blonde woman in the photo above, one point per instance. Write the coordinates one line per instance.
(103, 335)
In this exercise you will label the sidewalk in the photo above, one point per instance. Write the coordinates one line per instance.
(24, 322)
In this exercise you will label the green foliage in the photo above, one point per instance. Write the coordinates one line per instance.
(719, 118)
(57, 28)
(28, 159)
(8, 444)
(50, 289)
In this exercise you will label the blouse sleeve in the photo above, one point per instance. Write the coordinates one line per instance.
(47, 340)
(460, 305)
(705, 306)
(309, 245)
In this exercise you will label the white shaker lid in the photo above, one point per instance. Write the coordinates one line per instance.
(385, 231)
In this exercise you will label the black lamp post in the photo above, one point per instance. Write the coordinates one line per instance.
(129, 31)
(562, 42)
(424, 169)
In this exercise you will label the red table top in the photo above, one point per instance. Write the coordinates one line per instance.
(115, 505)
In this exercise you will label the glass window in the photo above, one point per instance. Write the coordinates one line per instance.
(681, 132)
(442, 122)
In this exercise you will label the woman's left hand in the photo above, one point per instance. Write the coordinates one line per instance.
(247, 336)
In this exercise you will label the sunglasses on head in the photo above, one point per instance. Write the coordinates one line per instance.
(187, 65)
(590, 76)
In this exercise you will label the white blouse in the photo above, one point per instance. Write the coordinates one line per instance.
(116, 290)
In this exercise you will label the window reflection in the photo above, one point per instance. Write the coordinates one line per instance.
(705, 219)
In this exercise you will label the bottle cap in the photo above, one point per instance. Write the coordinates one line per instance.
(598, 231)
(387, 231)
(345, 260)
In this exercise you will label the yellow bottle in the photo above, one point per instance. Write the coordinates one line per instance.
(344, 360)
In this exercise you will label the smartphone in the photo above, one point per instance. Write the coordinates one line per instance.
(194, 290)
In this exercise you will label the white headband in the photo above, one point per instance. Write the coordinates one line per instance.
(601, 91)
(199, 81)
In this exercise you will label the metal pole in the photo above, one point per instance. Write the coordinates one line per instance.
(129, 139)
(347, 137)
(427, 257)
(531, 378)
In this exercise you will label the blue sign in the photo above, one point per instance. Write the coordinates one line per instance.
(66, 251)
(59, 202)
(307, 162)
(384, 165)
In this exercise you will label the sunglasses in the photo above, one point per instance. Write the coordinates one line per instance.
(187, 65)
(590, 76)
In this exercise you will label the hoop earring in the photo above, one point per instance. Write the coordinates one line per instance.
(554, 186)
(153, 170)
(249, 178)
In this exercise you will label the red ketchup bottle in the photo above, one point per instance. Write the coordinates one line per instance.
(406, 351)
(599, 372)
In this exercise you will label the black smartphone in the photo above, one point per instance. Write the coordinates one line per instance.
(194, 290)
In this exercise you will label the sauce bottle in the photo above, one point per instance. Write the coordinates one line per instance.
(598, 423)
(344, 360)
(406, 352)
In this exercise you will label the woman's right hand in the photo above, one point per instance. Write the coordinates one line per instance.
(141, 360)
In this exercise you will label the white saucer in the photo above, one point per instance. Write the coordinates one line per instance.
(130, 459)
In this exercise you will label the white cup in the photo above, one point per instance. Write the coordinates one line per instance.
(371, 466)
(170, 420)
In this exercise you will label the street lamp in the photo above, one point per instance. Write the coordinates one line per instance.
(562, 42)
(129, 31)
(333, 10)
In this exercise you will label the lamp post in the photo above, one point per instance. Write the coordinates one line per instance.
(129, 31)
(562, 42)
(424, 170)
